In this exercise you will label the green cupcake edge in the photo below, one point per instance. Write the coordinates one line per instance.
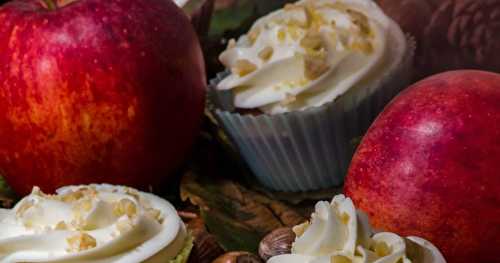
(185, 252)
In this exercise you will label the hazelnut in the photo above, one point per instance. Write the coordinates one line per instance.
(238, 257)
(205, 249)
(278, 242)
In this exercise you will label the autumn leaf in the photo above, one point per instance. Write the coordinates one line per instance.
(238, 217)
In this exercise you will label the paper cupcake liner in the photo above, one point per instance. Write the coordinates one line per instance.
(310, 149)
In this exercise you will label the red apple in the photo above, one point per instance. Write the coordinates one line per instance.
(96, 91)
(430, 165)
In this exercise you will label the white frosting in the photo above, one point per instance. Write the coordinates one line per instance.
(337, 233)
(310, 53)
(96, 223)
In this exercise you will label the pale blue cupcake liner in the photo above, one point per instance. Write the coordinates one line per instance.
(310, 149)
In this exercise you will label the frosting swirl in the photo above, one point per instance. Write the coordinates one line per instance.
(95, 223)
(337, 233)
(310, 53)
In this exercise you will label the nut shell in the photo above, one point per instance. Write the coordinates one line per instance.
(206, 248)
(278, 242)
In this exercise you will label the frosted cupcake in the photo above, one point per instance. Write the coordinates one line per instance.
(314, 74)
(338, 233)
(95, 223)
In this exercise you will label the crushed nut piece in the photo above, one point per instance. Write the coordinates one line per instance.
(363, 46)
(134, 193)
(315, 66)
(253, 35)
(61, 226)
(312, 41)
(299, 230)
(266, 53)
(289, 99)
(124, 207)
(314, 19)
(243, 67)
(382, 249)
(25, 206)
(360, 20)
(344, 217)
(79, 194)
(81, 242)
(85, 205)
(281, 35)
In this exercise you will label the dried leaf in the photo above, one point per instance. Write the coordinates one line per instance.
(237, 216)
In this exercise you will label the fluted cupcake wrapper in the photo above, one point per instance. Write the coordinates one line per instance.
(310, 149)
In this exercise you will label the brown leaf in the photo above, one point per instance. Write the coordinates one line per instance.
(237, 216)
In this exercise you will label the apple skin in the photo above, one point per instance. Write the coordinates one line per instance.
(429, 165)
(97, 92)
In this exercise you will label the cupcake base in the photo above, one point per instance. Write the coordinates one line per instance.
(310, 149)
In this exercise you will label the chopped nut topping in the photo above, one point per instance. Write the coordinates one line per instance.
(79, 194)
(281, 35)
(344, 217)
(61, 226)
(85, 205)
(363, 46)
(314, 19)
(289, 99)
(81, 242)
(25, 206)
(266, 53)
(134, 193)
(360, 20)
(125, 207)
(253, 35)
(299, 230)
(243, 67)
(315, 66)
(294, 32)
(312, 41)
(382, 249)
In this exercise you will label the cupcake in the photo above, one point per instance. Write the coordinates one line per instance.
(306, 81)
(338, 233)
(94, 223)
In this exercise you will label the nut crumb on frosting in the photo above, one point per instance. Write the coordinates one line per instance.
(81, 242)
(243, 67)
(266, 53)
(124, 207)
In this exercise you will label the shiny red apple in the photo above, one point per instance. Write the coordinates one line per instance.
(96, 91)
(430, 165)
